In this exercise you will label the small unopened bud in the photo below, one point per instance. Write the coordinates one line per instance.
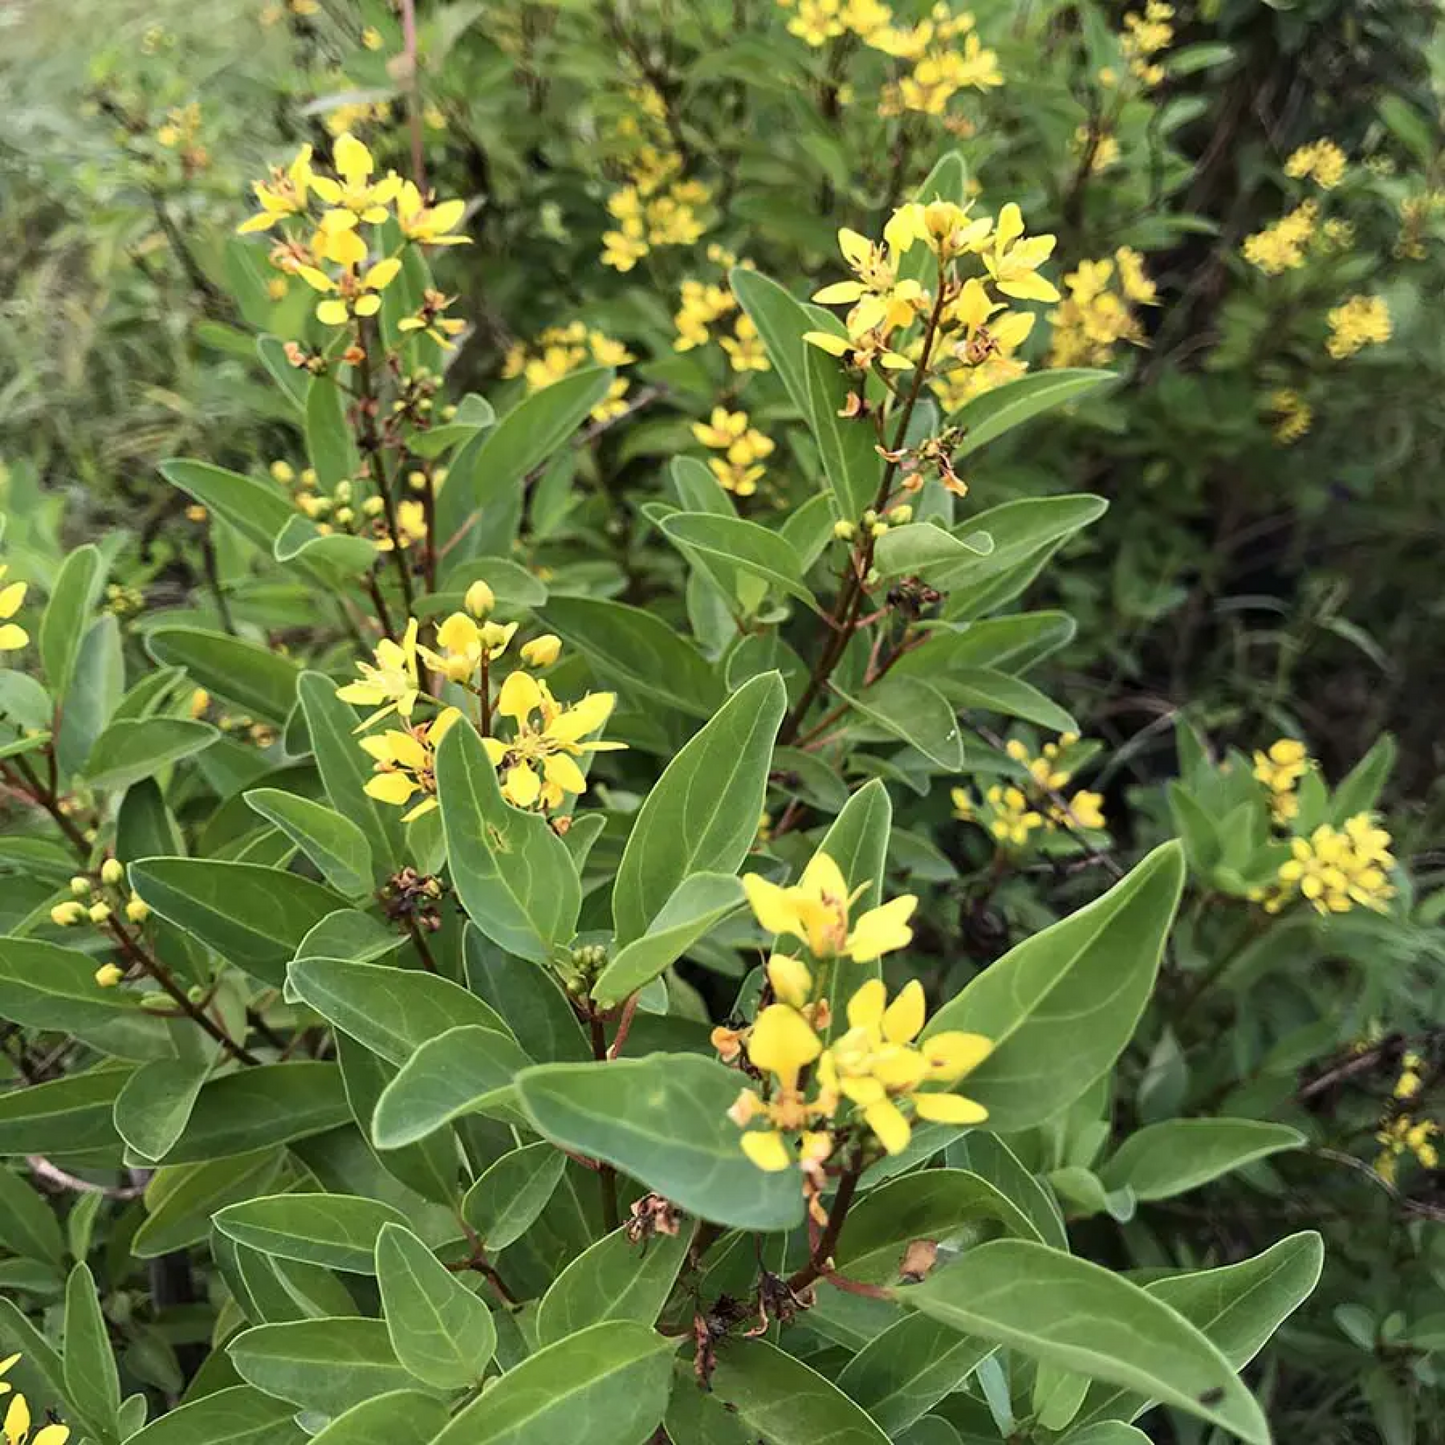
(308, 477)
(373, 507)
(137, 909)
(844, 531)
(343, 516)
(99, 912)
(878, 529)
(899, 516)
(424, 404)
(156, 1003)
(283, 472)
(439, 476)
(80, 886)
(109, 974)
(67, 915)
(480, 599)
(416, 480)
(448, 413)
(112, 872)
(342, 490)
(542, 651)
(869, 517)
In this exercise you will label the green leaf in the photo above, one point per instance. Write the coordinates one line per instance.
(505, 1202)
(1359, 791)
(511, 872)
(466, 1070)
(345, 769)
(252, 915)
(899, 1375)
(847, 444)
(128, 751)
(931, 1204)
(1015, 402)
(301, 539)
(92, 1383)
(152, 1111)
(403, 1417)
(918, 546)
(256, 679)
(392, 1011)
(702, 814)
(700, 901)
(663, 1119)
(72, 1115)
(329, 441)
(440, 1330)
(333, 843)
(352, 935)
(637, 649)
(1079, 1316)
(989, 1157)
(748, 546)
(67, 616)
(607, 1385)
(614, 1279)
(291, 381)
(986, 687)
(337, 1231)
(181, 1198)
(270, 1104)
(1237, 1307)
(95, 692)
(494, 465)
(781, 322)
(784, 1402)
(1012, 643)
(1107, 1432)
(325, 1365)
(46, 987)
(530, 998)
(28, 1226)
(257, 510)
(1027, 527)
(915, 711)
(473, 414)
(24, 701)
(1061, 1006)
(1173, 1157)
(39, 1373)
(237, 1415)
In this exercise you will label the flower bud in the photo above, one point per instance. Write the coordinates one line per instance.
(869, 517)
(792, 982)
(156, 1003)
(416, 481)
(448, 413)
(900, 516)
(283, 472)
(66, 915)
(112, 872)
(342, 490)
(308, 477)
(80, 886)
(137, 909)
(878, 529)
(844, 531)
(109, 974)
(373, 507)
(343, 516)
(480, 599)
(99, 912)
(542, 651)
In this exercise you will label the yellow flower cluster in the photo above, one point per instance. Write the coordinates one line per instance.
(344, 509)
(1097, 313)
(1106, 148)
(1359, 322)
(16, 1426)
(536, 762)
(1410, 1081)
(1321, 161)
(1281, 247)
(1336, 869)
(975, 336)
(1145, 34)
(1404, 1135)
(561, 350)
(181, 132)
(1010, 813)
(1280, 770)
(98, 900)
(280, 9)
(335, 259)
(702, 304)
(1416, 213)
(872, 1080)
(743, 448)
(12, 597)
(352, 115)
(1293, 415)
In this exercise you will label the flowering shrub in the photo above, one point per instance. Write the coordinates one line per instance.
(560, 889)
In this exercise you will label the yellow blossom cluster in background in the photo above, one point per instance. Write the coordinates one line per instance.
(822, 1084)
(18, 1420)
(1321, 161)
(1280, 770)
(1336, 869)
(560, 350)
(1416, 213)
(1358, 322)
(1097, 312)
(1293, 415)
(1011, 812)
(1405, 1135)
(703, 304)
(181, 132)
(743, 450)
(1282, 246)
(1145, 34)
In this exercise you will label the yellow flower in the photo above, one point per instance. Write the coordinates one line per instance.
(390, 685)
(781, 1044)
(1409, 1083)
(744, 348)
(283, 195)
(406, 763)
(1281, 247)
(358, 294)
(1013, 260)
(815, 911)
(137, 909)
(428, 224)
(109, 974)
(542, 651)
(1013, 817)
(817, 21)
(479, 599)
(1087, 809)
(354, 191)
(371, 38)
(1361, 321)
(1337, 868)
(68, 914)
(538, 762)
(877, 297)
(464, 644)
(12, 595)
(791, 980)
(16, 1426)
(1321, 161)
(1293, 415)
(1281, 768)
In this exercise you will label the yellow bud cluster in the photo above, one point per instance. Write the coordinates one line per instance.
(1098, 312)
(560, 350)
(743, 449)
(1012, 813)
(1359, 322)
(1336, 869)
(1280, 770)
